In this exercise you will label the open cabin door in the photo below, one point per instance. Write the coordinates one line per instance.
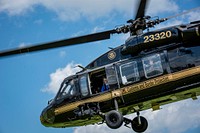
(97, 76)
(96, 80)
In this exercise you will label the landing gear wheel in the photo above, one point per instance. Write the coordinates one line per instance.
(139, 127)
(114, 119)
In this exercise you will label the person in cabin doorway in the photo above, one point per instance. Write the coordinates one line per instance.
(105, 86)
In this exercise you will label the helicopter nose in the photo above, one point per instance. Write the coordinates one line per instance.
(42, 120)
(47, 116)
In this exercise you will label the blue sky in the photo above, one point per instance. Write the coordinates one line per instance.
(28, 81)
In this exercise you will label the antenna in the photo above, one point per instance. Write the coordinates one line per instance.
(83, 68)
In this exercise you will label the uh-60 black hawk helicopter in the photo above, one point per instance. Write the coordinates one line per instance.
(151, 69)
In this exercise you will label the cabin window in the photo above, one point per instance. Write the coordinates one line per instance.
(83, 85)
(183, 58)
(152, 66)
(129, 72)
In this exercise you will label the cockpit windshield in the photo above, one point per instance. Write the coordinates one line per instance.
(67, 89)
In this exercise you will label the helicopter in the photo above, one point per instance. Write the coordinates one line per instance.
(151, 69)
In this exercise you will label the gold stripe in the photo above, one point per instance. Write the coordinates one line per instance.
(160, 80)
(130, 89)
(71, 106)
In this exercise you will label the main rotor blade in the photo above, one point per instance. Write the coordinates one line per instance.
(66, 42)
(141, 9)
(183, 13)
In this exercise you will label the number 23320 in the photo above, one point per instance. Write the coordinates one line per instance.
(157, 36)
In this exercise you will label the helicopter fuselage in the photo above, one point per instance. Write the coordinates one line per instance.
(149, 70)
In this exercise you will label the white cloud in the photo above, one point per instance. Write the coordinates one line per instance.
(173, 118)
(58, 76)
(192, 16)
(156, 7)
(72, 10)
(17, 7)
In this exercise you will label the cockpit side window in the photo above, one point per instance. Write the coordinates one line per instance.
(67, 90)
(152, 66)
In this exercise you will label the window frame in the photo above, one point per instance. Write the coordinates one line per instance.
(64, 88)
(160, 66)
(84, 92)
(135, 69)
(111, 74)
